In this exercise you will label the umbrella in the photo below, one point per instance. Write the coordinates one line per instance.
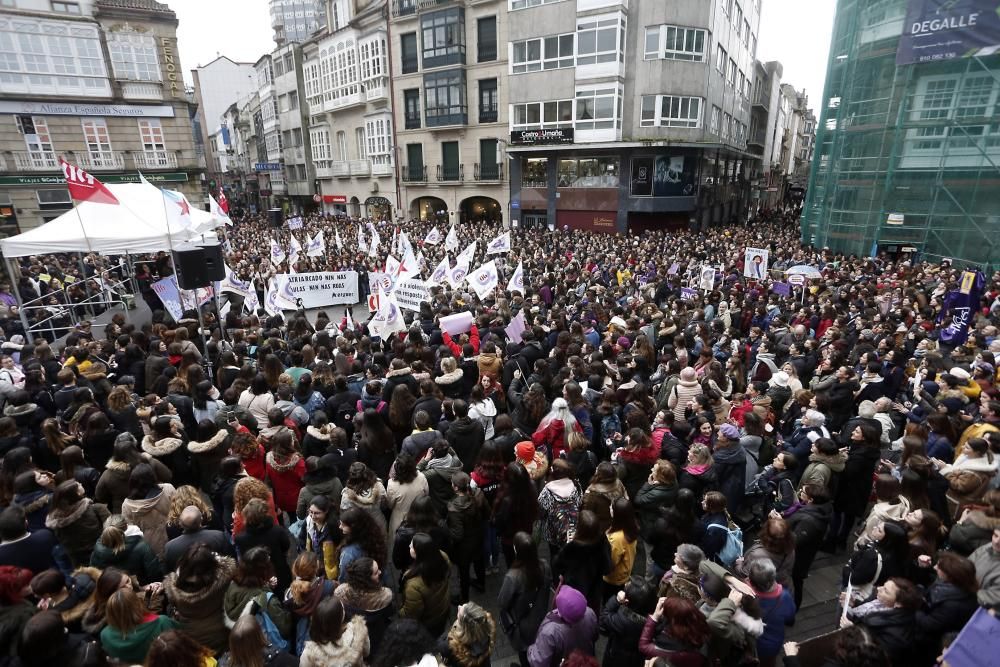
(804, 270)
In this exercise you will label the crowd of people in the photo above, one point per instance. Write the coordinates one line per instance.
(647, 463)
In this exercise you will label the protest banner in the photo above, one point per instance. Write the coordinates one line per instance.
(324, 288)
(457, 323)
(755, 263)
(411, 292)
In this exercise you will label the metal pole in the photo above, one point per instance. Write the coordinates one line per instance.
(204, 343)
(17, 295)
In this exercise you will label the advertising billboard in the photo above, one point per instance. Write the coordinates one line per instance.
(936, 30)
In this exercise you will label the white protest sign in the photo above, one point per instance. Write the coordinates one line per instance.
(456, 324)
(755, 263)
(324, 288)
(411, 292)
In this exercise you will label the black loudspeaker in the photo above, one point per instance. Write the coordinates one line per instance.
(275, 217)
(215, 266)
(190, 267)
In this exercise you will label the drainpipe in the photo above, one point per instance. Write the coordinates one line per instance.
(392, 104)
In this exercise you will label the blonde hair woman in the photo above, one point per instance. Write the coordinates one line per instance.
(471, 638)
(121, 545)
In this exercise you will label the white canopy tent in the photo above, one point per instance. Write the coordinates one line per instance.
(139, 224)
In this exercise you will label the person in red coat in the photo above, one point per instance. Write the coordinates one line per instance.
(285, 471)
(250, 451)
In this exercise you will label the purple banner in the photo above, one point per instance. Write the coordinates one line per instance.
(784, 289)
(960, 307)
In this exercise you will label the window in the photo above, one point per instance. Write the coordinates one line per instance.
(746, 33)
(278, 71)
(36, 133)
(95, 133)
(597, 40)
(133, 56)
(732, 73)
(359, 142)
(408, 52)
(713, 123)
(486, 39)
(489, 167)
(50, 57)
(534, 172)
(373, 62)
(937, 99)
(727, 121)
(443, 35)
(543, 114)
(66, 7)
(320, 140)
(488, 110)
(151, 134)
(451, 169)
(311, 77)
(378, 133)
(342, 146)
(54, 198)
(444, 98)
(296, 137)
(743, 84)
(974, 97)
(670, 111)
(414, 163)
(595, 109)
(289, 62)
(533, 55)
(293, 101)
(675, 43)
(411, 108)
(587, 173)
(720, 61)
(523, 4)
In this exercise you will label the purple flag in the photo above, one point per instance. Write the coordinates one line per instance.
(784, 289)
(976, 644)
(960, 306)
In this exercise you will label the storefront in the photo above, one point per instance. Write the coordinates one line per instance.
(606, 188)
(378, 208)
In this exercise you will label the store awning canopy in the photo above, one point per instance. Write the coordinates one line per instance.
(139, 224)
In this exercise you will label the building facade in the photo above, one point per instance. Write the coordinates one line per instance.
(766, 133)
(348, 102)
(217, 85)
(99, 83)
(293, 121)
(296, 20)
(630, 115)
(906, 158)
(450, 94)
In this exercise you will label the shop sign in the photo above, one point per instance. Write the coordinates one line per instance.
(540, 137)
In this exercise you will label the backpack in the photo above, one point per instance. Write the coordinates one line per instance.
(610, 424)
(734, 544)
(267, 626)
(562, 519)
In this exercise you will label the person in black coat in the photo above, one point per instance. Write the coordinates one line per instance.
(948, 604)
(465, 436)
(696, 477)
(428, 402)
(622, 620)
(730, 465)
(399, 373)
(713, 539)
(343, 405)
(808, 522)
(841, 397)
(585, 559)
(855, 484)
(894, 628)
(262, 532)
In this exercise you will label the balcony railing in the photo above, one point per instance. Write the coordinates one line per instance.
(154, 160)
(35, 161)
(360, 167)
(324, 171)
(377, 89)
(488, 172)
(100, 160)
(341, 169)
(488, 114)
(414, 174)
(381, 169)
(411, 122)
(453, 172)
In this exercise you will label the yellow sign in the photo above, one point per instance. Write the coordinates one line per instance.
(968, 281)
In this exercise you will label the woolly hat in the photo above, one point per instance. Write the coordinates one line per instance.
(729, 431)
(571, 604)
(624, 343)
(525, 450)
(779, 379)
(960, 373)
(688, 374)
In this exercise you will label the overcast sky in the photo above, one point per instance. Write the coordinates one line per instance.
(240, 29)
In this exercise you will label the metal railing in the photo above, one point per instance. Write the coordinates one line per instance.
(100, 160)
(414, 174)
(451, 172)
(154, 160)
(488, 172)
(488, 114)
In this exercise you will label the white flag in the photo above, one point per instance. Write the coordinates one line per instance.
(271, 306)
(252, 302)
(394, 245)
(317, 246)
(451, 243)
(499, 244)
(441, 272)
(484, 279)
(456, 275)
(468, 254)
(433, 237)
(277, 254)
(216, 210)
(376, 240)
(392, 267)
(516, 283)
(404, 244)
(336, 234)
(410, 268)
(294, 249)
(362, 246)
(388, 319)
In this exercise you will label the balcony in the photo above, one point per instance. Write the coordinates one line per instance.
(381, 168)
(140, 90)
(35, 161)
(404, 8)
(488, 114)
(377, 89)
(451, 173)
(758, 101)
(488, 172)
(101, 160)
(360, 167)
(414, 174)
(411, 122)
(324, 171)
(154, 160)
(340, 169)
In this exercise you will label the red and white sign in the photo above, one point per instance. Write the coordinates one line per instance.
(372, 303)
(335, 199)
(317, 198)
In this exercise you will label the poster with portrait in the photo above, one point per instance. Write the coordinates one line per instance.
(642, 177)
(755, 263)
(674, 176)
(706, 278)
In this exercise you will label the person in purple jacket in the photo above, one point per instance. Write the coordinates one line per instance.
(571, 626)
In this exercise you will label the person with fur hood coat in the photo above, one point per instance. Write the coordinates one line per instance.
(207, 452)
(148, 505)
(333, 640)
(366, 492)
(76, 520)
(971, 473)
(196, 590)
(72, 597)
(112, 487)
(285, 472)
(166, 444)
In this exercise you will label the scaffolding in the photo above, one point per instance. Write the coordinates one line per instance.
(919, 141)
